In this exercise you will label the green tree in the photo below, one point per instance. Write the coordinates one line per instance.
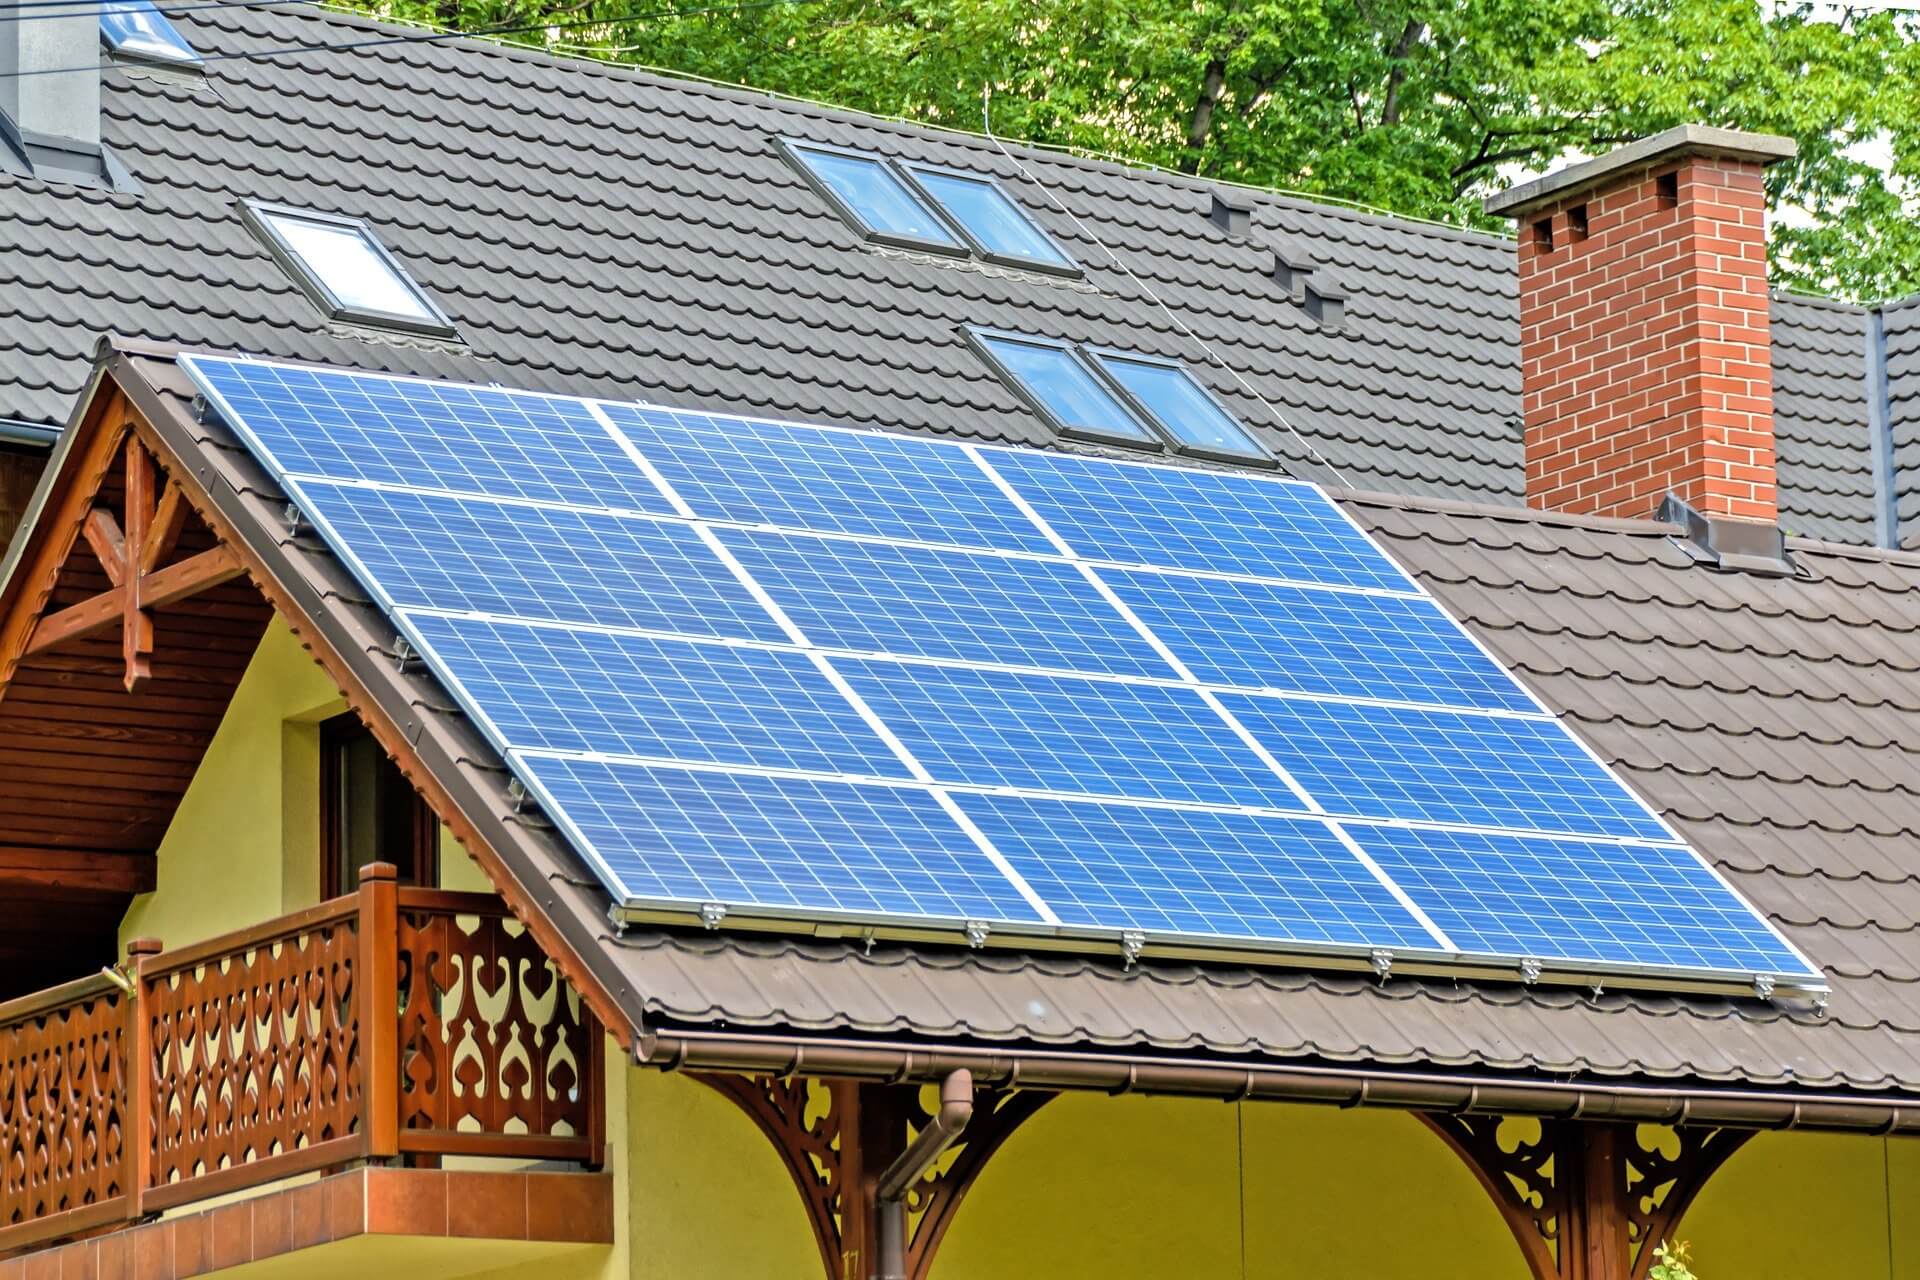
(1422, 107)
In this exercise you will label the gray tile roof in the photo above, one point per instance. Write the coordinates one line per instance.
(597, 230)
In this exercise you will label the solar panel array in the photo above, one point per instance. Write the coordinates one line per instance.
(810, 674)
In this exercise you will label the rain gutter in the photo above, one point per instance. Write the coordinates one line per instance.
(1332, 1085)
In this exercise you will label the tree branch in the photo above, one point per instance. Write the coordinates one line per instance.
(1402, 48)
(1213, 82)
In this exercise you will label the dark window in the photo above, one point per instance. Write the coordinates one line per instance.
(1543, 233)
(1577, 222)
(369, 812)
(1666, 189)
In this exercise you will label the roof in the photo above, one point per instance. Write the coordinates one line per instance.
(601, 231)
(1757, 713)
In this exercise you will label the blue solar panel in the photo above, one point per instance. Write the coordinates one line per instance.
(1554, 898)
(673, 835)
(543, 563)
(525, 549)
(429, 435)
(1064, 733)
(1444, 766)
(558, 689)
(1193, 871)
(884, 598)
(1305, 640)
(1185, 518)
(860, 482)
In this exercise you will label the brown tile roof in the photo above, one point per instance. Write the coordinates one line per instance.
(1775, 721)
(1769, 718)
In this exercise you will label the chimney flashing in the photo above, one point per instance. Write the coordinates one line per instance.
(1727, 544)
(1677, 143)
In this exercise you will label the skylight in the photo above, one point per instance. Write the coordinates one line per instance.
(1186, 411)
(874, 198)
(342, 265)
(1064, 391)
(136, 29)
(999, 229)
(1118, 396)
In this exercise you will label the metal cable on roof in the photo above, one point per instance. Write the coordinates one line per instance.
(345, 46)
(986, 117)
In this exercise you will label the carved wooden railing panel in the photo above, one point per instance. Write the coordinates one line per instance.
(253, 1053)
(396, 1023)
(494, 1046)
(63, 1134)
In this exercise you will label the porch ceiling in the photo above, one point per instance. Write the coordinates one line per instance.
(1712, 692)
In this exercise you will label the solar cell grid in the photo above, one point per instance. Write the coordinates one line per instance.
(1461, 767)
(429, 435)
(1064, 733)
(555, 689)
(1303, 640)
(952, 605)
(673, 835)
(856, 482)
(543, 563)
(1193, 871)
(1186, 518)
(1555, 898)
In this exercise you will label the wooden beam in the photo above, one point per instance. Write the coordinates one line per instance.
(36, 866)
(160, 588)
(109, 548)
(136, 640)
(169, 520)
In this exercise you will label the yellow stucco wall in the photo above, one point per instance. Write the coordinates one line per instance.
(1095, 1187)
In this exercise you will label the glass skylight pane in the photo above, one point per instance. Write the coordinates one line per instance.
(1075, 398)
(340, 257)
(876, 196)
(138, 30)
(1000, 225)
(1187, 412)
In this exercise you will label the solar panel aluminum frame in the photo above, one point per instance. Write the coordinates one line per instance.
(1129, 944)
(1068, 267)
(794, 149)
(259, 216)
(1094, 353)
(977, 337)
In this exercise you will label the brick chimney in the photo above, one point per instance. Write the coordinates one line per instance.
(1644, 344)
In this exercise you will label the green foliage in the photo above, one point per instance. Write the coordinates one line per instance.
(1417, 106)
(1670, 1263)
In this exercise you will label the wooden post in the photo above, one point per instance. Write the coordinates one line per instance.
(138, 1126)
(137, 633)
(377, 989)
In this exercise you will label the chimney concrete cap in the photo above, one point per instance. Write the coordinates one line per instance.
(1683, 140)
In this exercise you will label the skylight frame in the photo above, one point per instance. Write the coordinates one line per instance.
(1096, 358)
(120, 49)
(260, 217)
(796, 149)
(1067, 266)
(980, 338)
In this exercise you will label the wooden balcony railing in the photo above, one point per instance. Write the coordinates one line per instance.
(393, 1023)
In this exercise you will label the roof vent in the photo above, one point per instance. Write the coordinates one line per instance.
(1291, 271)
(1326, 304)
(1234, 219)
(1722, 542)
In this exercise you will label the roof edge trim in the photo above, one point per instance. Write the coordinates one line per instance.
(693, 1050)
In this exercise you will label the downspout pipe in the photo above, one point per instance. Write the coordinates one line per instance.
(890, 1192)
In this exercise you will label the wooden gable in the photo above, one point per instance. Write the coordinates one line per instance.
(124, 629)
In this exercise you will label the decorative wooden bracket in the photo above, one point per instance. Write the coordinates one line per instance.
(133, 552)
(836, 1136)
(1588, 1200)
